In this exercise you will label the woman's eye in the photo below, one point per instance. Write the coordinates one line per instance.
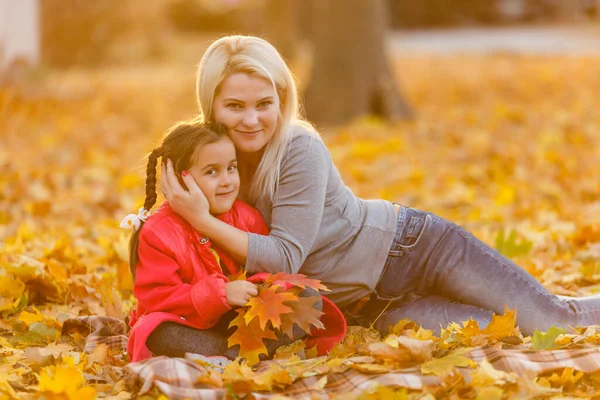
(234, 106)
(264, 104)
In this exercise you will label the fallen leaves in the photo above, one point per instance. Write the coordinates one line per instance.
(503, 145)
(547, 340)
(65, 383)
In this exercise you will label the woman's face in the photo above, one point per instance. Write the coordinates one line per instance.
(248, 105)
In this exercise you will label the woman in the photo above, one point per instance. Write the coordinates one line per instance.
(382, 261)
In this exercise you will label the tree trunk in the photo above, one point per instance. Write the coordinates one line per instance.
(281, 28)
(351, 76)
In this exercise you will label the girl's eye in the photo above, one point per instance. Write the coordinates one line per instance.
(211, 172)
(232, 168)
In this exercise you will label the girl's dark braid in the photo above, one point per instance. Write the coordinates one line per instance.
(151, 178)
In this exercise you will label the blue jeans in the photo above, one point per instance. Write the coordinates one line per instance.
(437, 273)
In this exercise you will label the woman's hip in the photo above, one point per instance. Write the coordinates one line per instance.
(418, 235)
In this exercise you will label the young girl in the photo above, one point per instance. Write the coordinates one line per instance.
(181, 277)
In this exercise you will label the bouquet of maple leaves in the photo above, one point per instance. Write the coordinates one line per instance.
(275, 310)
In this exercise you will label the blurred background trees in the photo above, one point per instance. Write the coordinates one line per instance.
(341, 41)
(350, 75)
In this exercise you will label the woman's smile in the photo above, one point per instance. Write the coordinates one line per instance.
(249, 106)
(249, 133)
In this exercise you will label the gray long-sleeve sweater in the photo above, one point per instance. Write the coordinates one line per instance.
(320, 228)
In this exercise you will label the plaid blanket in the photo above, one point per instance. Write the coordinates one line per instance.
(177, 378)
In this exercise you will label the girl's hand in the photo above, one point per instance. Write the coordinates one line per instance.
(239, 292)
(191, 204)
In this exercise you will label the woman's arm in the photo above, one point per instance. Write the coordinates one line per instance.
(295, 216)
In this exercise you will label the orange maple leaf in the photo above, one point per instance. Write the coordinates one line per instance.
(502, 326)
(240, 276)
(249, 337)
(268, 306)
(303, 314)
(471, 328)
(297, 280)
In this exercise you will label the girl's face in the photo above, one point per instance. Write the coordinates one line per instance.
(215, 171)
(248, 105)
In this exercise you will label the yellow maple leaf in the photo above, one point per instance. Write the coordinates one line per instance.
(275, 375)
(568, 375)
(471, 328)
(370, 368)
(486, 374)
(489, 393)
(445, 365)
(11, 291)
(502, 326)
(241, 275)
(31, 317)
(67, 382)
(409, 351)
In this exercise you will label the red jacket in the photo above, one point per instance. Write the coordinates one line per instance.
(179, 279)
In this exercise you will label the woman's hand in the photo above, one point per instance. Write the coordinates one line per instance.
(239, 292)
(191, 204)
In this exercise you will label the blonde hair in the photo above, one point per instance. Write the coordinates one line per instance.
(252, 55)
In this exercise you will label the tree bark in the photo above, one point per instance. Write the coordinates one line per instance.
(281, 28)
(351, 76)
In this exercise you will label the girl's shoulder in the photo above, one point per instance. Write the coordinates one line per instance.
(243, 216)
(240, 210)
(164, 221)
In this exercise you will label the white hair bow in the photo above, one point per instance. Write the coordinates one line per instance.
(133, 221)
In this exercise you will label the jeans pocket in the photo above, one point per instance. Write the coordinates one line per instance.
(410, 231)
(402, 272)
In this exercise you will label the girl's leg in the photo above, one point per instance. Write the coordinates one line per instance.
(174, 340)
(432, 312)
(433, 256)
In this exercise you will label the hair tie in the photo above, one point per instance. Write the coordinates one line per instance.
(132, 221)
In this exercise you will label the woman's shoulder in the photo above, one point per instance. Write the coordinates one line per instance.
(304, 138)
(303, 131)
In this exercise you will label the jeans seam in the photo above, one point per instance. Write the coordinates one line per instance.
(491, 254)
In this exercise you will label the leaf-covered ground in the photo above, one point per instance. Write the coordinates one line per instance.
(508, 146)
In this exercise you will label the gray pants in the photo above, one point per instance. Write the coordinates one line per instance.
(174, 340)
(437, 273)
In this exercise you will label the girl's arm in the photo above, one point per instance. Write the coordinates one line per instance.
(295, 216)
(159, 287)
